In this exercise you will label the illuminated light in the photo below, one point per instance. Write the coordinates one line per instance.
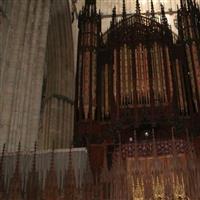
(130, 139)
(146, 134)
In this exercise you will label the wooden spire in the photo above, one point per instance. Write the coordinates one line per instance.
(34, 158)
(90, 6)
(51, 191)
(70, 191)
(152, 10)
(33, 189)
(113, 22)
(15, 189)
(163, 16)
(138, 11)
(124, 10)
(182, 3)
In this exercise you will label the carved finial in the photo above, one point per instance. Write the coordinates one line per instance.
(163, 16)
(33, 180)
(52, 158)
(70, 165)
(70, 179)
(124, 10)
(18, 158)
(113, 16)
(90, 7)
(152, 10)
(190, 4)
(51, 187)
(15, 183)
(182, 3)
(34, 158)
(137, 7)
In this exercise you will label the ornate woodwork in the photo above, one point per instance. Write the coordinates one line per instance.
(145, 76)
(137, 111)
(147, 87)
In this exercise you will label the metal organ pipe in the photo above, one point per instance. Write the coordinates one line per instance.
(191, 75)
(163, 76)
(140, 72)
(196, 66)
(86, 84)
(126, 67)
(115, 74)
(182, 102)
(106, 85)
(168, 64)
(93, 68)
(137, 74)
(146, 75)
(103, 93)
(130, 73)
(159, 75)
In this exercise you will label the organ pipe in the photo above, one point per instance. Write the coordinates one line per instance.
(115, 75)
(181, 101)
(86, 84)
(191, 75)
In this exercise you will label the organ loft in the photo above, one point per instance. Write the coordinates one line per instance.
(98, 111)
(137, 77)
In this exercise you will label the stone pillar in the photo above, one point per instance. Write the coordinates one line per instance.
(59, 90)
(21, 72)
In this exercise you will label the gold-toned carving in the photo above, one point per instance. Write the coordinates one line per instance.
(138, 190)
(178, 187)
(158, 188)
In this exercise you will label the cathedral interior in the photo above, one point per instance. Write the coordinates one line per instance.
(100, 99)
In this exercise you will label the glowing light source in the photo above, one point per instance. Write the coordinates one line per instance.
(146, 134)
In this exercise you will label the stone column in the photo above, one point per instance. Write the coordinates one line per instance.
(21, 73)
(59, 93)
